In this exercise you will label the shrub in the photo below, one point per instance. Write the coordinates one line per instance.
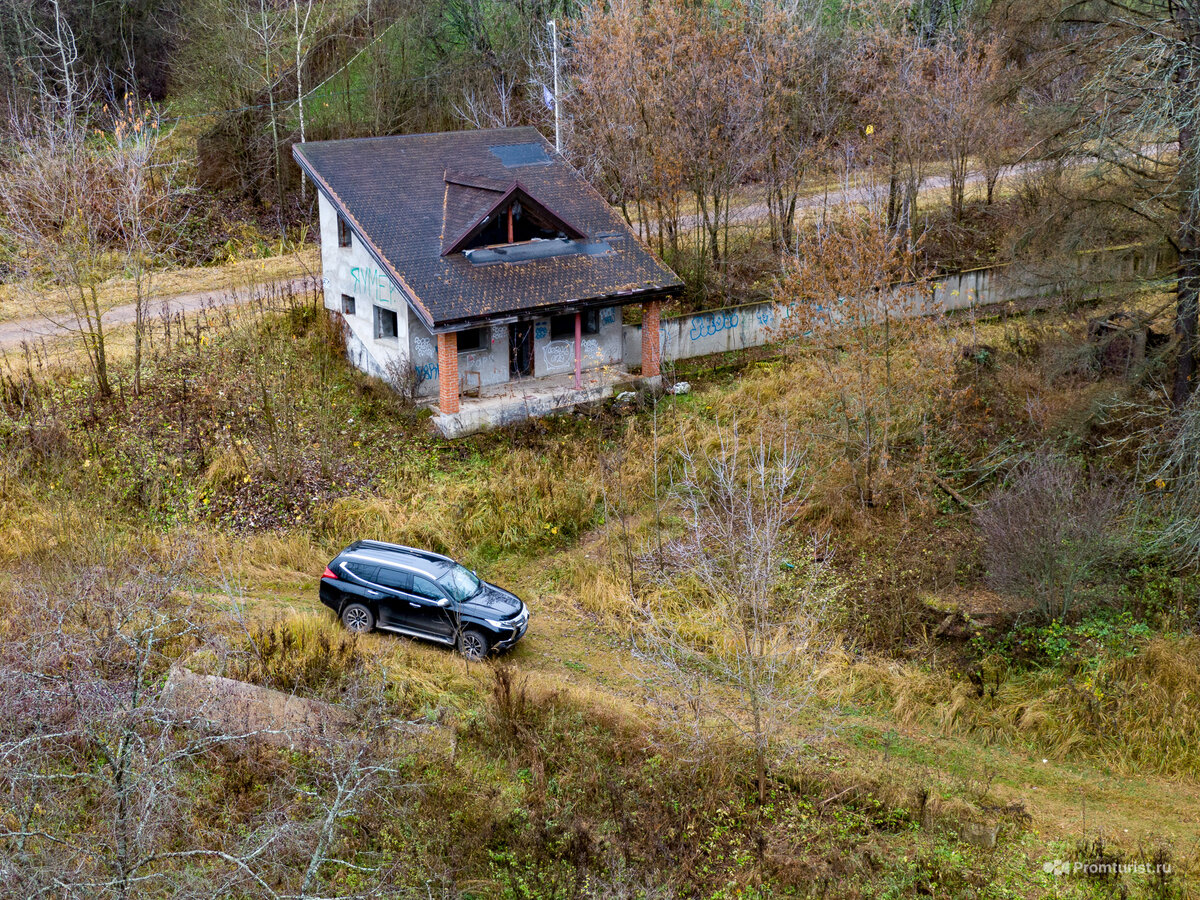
(1048, 534)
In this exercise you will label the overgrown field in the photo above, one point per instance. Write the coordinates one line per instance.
(980, 626)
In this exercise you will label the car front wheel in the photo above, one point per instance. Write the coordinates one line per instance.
(357, 618)
(472, 644)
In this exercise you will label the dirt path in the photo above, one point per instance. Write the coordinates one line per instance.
(37, 328)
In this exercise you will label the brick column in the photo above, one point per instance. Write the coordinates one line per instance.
(448, 373)
(651, 313)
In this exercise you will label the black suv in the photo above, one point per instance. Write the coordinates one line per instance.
(371, 585)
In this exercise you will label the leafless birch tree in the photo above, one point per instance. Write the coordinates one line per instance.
(746, 651)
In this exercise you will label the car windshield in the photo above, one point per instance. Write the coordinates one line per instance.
(460, 583)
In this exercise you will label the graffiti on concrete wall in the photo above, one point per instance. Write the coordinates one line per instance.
(591, 349)
(708, 324)
(541, 331)
(427, 371)
(423, 348)
(608, 316)
(559, 353)
(373, 285)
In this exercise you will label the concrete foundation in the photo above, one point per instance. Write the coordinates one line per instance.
(516, 401)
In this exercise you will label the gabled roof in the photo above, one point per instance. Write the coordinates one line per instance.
(415, 200)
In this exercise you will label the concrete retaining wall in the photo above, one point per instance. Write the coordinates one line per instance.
(755, 324)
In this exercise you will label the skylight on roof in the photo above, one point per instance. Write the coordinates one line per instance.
(516, 155)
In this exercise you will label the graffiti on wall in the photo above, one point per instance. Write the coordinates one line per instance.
(708, 324)
(591, 349)
(559, 353)
(608, 316)
(371, 284)
(426, 371)
(541, 331)
(423, 348)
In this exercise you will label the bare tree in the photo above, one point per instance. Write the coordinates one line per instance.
(1133, 117)
(853, 295)
(146, 187)
(58, 202)
(962, 110)
(756, 628)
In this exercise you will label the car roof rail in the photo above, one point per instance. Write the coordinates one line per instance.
(427, 555)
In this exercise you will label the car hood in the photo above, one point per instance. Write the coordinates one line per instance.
(492, 603)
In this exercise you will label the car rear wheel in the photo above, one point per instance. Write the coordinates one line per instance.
(357, 618)
(472, 644)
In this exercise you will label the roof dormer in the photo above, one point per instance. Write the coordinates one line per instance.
(511, 217)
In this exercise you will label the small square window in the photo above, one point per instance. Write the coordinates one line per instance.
(385, 323)
(563, 327)
(347, 304)
(470, 340)
(343, 231)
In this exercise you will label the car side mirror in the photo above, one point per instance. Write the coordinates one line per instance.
(443, 603)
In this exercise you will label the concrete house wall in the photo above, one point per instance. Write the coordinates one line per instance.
(352, 272)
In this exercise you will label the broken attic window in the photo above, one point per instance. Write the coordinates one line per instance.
(514, 224)
(515, 155)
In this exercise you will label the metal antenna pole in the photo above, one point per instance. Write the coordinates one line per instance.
(554, 50)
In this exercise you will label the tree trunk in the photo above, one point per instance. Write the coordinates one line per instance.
(1188, 283)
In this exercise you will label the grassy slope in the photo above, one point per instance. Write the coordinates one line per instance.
(389, 480)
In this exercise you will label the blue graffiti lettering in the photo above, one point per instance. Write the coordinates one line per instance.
(371, 284)
(708, 324)
(427, 371)
(609, 316)
(541, 331)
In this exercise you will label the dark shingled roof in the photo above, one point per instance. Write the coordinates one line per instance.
(412, 198)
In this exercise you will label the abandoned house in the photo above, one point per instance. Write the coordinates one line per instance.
(482, 267)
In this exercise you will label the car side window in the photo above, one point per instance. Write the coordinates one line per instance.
(358, 570)
(423, 587)
(400, 581)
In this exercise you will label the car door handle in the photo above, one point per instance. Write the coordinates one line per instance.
(414, 605)
(374, 594)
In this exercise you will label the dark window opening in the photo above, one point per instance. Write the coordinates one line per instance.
(343, 232)
(563, 327)
(347, 304)
(471, 339)
(386, 324)
(523, 225)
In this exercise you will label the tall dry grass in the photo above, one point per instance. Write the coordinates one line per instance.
(1139, 714)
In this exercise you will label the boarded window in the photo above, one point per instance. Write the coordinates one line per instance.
(386, 325)
(343, 231)
(347, 304)
(472, 339)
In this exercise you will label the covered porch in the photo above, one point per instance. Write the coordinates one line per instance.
(514, 401)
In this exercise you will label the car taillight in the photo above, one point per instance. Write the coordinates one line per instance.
(329, 574)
